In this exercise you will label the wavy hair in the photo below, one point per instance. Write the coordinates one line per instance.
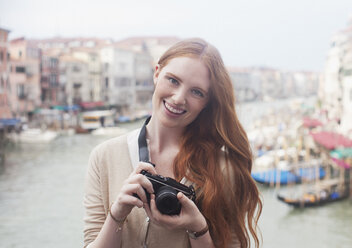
(215, 154)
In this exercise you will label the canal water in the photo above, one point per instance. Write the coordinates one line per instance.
(41, 191)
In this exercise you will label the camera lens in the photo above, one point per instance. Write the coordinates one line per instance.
(166, 201)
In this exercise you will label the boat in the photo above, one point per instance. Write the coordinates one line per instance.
(310, 199)
(33, 135)
(326, 191)
(286, 176)
(91, 120)
(289, 173)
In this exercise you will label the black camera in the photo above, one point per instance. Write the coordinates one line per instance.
(165, 190)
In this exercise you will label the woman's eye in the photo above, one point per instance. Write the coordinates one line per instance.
(173, 81)
(197, 93)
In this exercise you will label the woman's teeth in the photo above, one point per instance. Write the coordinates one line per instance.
(173, 110)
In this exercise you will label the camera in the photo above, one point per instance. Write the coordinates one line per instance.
(165, 190)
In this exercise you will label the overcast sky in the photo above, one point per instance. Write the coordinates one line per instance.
(291, 35)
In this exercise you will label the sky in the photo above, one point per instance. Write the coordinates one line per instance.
(283, 34)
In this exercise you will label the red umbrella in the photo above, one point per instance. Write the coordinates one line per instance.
(331, 140)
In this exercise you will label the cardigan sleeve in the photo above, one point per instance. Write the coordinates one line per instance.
(93, 201)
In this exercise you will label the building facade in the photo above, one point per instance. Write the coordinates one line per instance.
(5, 89)
(25, 71)
(127, 78)
(336, 91)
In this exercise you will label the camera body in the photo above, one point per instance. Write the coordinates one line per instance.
(165, 190)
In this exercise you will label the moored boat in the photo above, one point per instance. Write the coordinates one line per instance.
(326, 191)
(34, 135)
(290, 173)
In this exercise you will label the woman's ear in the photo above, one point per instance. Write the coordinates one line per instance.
(156, 73)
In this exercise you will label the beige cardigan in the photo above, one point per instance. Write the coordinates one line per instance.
(109, 165)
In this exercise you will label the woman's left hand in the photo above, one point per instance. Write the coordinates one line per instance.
(190, 218)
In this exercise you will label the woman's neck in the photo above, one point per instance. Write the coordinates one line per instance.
(161, 137)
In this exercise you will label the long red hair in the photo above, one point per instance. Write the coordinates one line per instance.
(229, 198)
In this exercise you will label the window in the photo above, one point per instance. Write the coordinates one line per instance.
(20, 91)
(76, 68)
(77, 85)
(52, 62)
(53, 80)
(20, 69)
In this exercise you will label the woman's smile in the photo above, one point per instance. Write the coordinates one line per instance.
(174, 110)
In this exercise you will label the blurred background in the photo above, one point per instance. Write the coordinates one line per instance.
(75, 73)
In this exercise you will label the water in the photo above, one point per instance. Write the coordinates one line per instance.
(41, 192)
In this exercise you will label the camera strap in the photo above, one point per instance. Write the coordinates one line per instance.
(142, 143)
(144, 157)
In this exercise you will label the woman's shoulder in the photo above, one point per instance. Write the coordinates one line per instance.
(113, 145)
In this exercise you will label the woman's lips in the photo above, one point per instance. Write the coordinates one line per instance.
(174, 110)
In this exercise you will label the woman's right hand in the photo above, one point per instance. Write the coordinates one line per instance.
(134, 184)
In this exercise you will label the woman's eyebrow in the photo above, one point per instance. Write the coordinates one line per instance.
(169, 74)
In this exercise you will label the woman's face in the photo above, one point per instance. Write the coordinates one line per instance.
(181, 91)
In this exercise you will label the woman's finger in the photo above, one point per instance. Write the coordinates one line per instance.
(135, 190)
(145, 166)
(130, 200)
(186, 203)
(142, 180)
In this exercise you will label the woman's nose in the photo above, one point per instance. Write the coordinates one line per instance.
(179, 96)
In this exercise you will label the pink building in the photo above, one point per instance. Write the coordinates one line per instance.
(24, 77)
(5, 111)
(49, 81)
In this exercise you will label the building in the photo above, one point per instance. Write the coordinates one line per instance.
(144, 87)
(346, 81)
(336, 91)
(246, 83)
(91, 56)
(24, 77)
(127, 78)
(5, 110)
(73, 80)
(49, 80)
(331, 90)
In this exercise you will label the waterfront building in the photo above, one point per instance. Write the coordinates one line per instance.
(73, 80)
(246, 83)
(127, 78)
(49, 80)
(5, 111)
(331, 90)
(336, 91)
(289, 85)
(144, 81)
(306, 83)
(24, 77)
(346, 83)
(256, 83)
(90, 56)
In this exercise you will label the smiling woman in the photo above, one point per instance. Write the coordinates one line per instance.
(180, 91)
(192, 141)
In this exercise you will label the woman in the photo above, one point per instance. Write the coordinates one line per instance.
(193, 136)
